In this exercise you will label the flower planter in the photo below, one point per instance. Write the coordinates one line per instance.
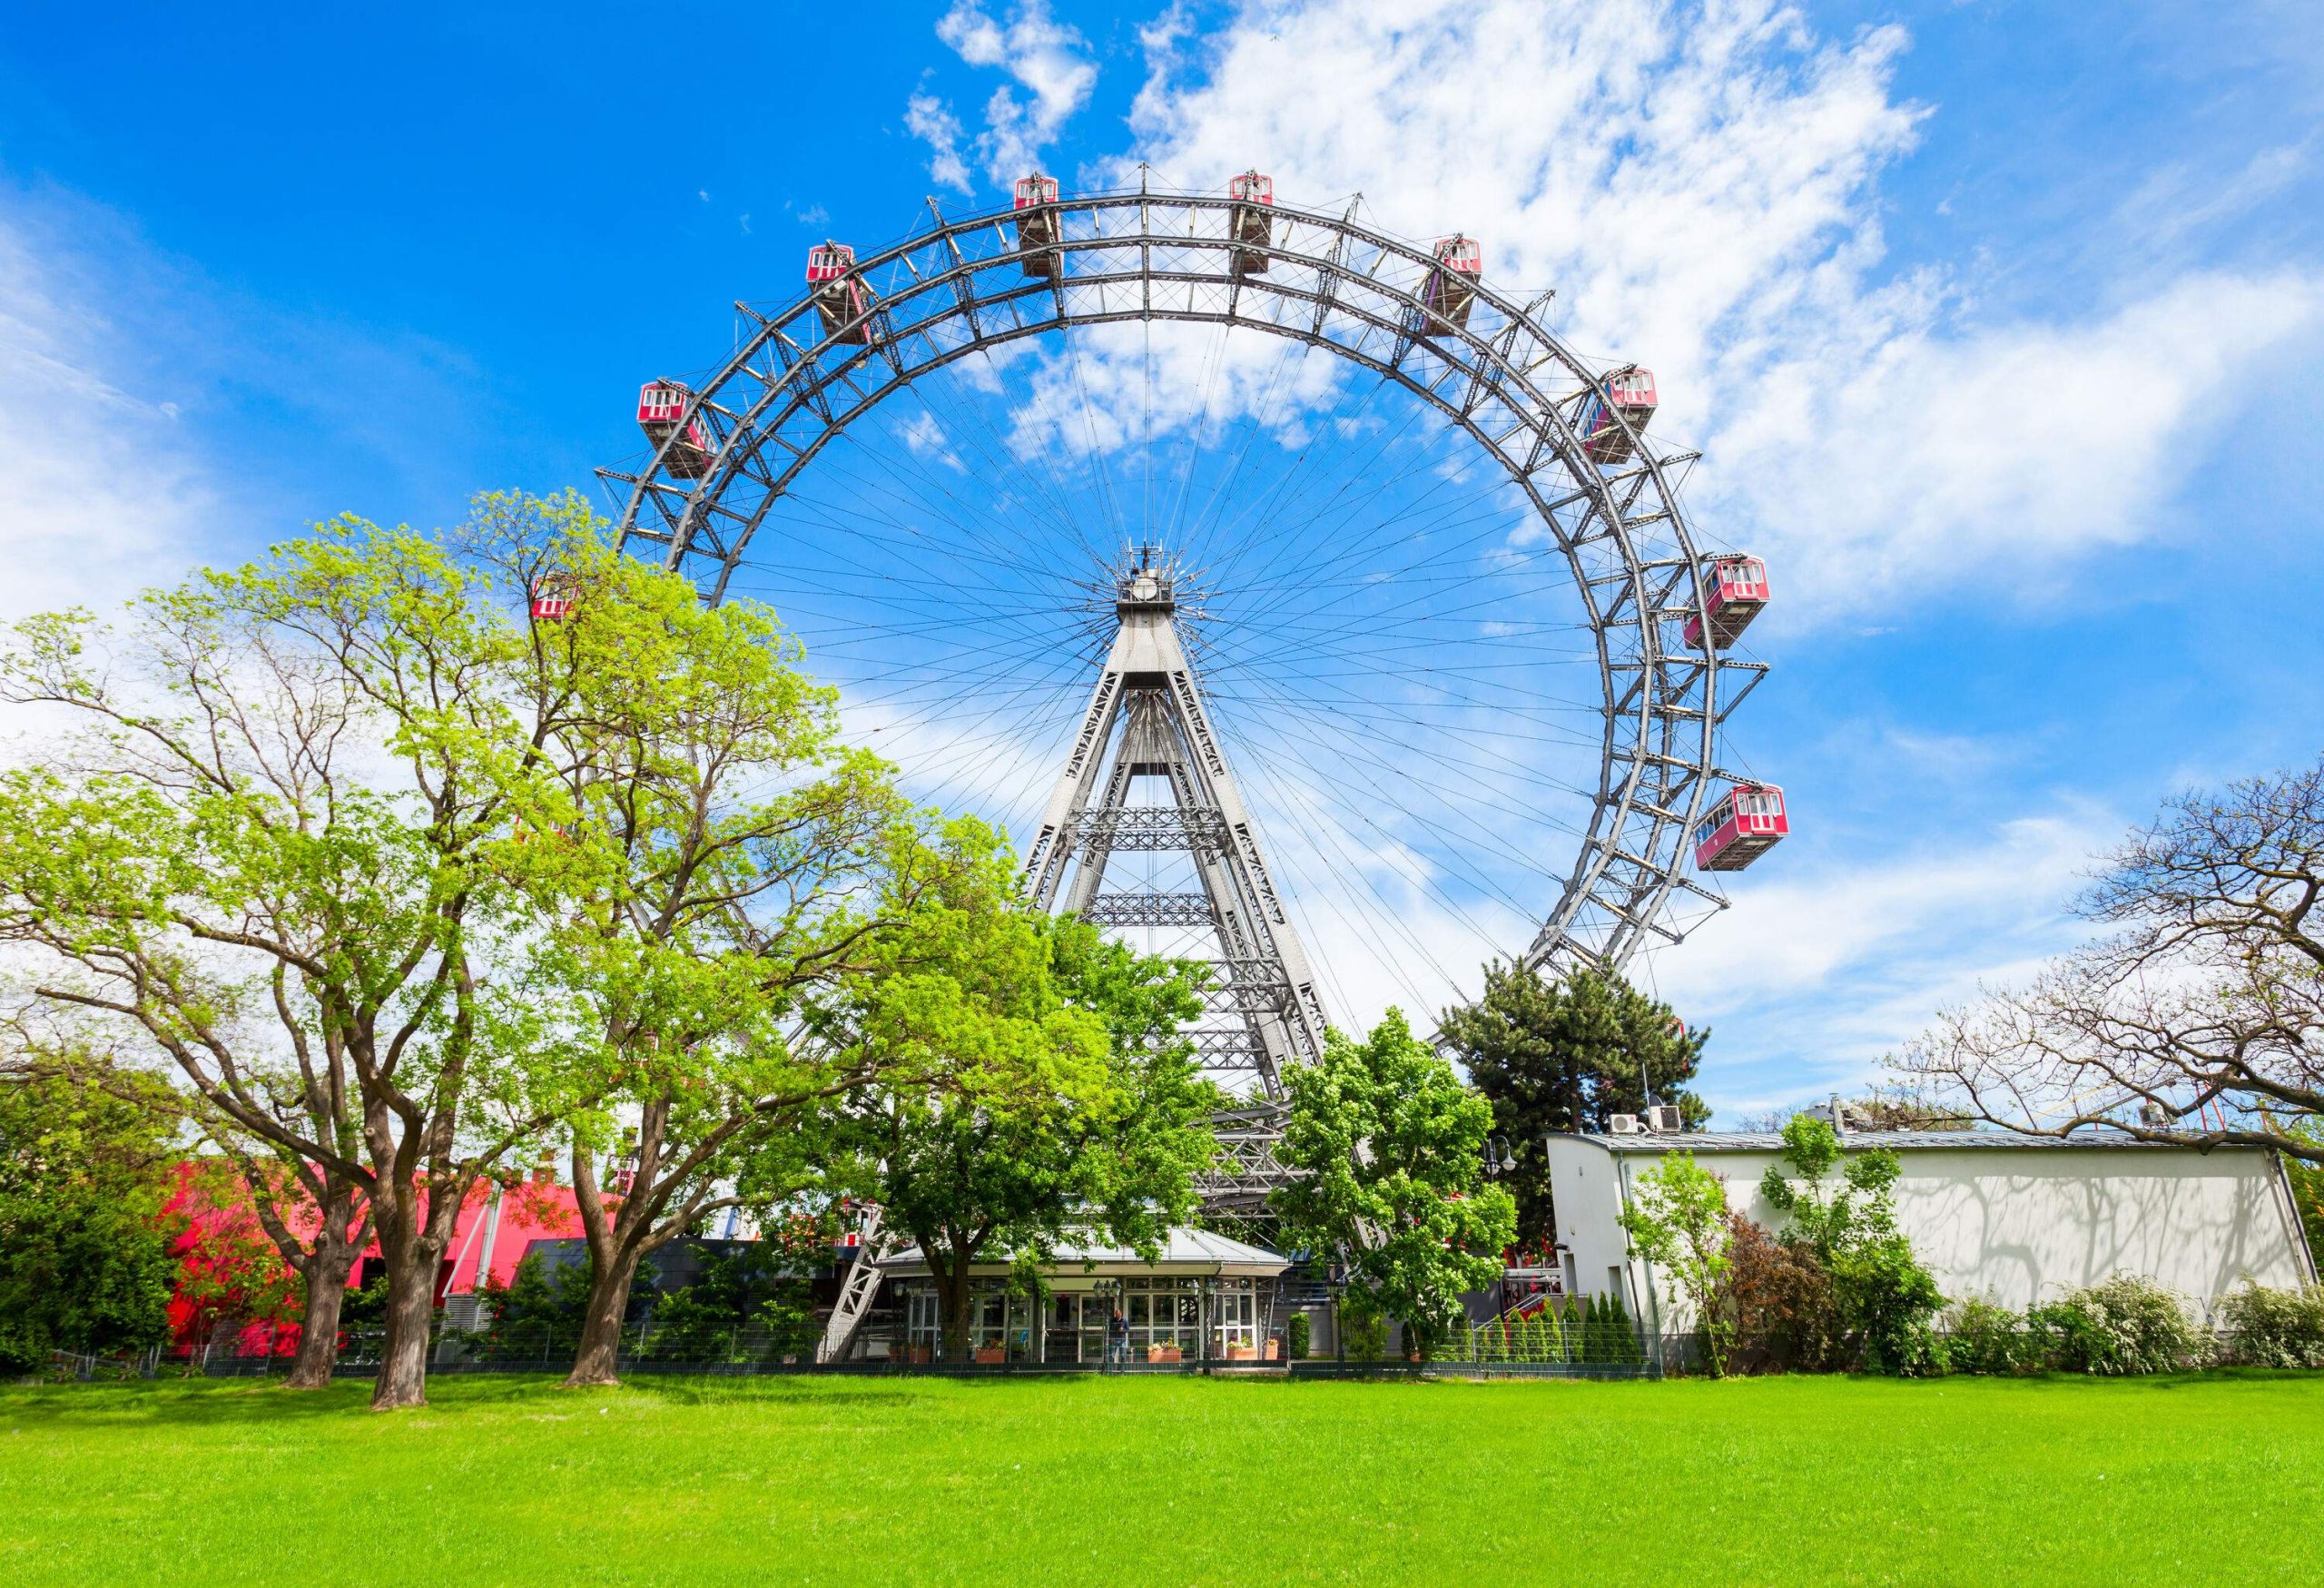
(992, 1356)
(1164, 1353)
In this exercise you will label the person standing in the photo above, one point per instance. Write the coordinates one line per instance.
(1118, 1339)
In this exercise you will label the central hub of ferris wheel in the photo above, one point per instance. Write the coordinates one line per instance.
(1147, 777)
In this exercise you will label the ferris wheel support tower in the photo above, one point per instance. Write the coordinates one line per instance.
(1146, 718)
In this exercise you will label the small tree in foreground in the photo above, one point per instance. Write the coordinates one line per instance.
(1390, 1149)
(1031, 1086)
(1676, 1219)
(1885, 1297)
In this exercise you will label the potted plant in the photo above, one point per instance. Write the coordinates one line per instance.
(1164, 1353)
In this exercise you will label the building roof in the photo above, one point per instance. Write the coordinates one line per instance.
(1901, 1140)
(1184, 1248)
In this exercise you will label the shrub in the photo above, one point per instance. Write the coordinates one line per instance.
(1549, 1336)
(2274, 1328)
(2128, 1325)
(1988, 1338)
(1784, 1315)
(1363, 1330)
(1298, 1330)
(1883, 1297)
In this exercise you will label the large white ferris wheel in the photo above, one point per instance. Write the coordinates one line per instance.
(1301, 603)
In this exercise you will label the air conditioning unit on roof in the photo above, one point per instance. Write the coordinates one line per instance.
(1625, 1125)
(1665, 1118)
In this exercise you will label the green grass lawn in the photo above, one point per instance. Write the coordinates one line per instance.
(1158, 1481)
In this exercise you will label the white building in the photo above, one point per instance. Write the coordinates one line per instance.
(2014, 1218)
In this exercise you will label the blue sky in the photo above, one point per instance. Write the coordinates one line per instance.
(1999, 325)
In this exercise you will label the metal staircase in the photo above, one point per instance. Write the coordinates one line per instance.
(858, 1288)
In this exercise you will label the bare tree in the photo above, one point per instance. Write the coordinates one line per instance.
(2199, 1018)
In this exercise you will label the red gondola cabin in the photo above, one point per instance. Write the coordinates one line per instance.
(1037, 227)
(553, 597)
(841, 297)
(660, 404)
(1251, 223)
(1739, 588)
(1744, 825)
(1451, 286)
(1628, 394)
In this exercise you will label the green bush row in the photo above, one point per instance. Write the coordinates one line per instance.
(2132, 1325)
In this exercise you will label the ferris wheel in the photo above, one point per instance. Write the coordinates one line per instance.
(1297, 600)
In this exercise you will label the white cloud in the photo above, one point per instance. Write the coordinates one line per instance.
(99, 490)
(1821, 969)
(1042, 56)
(1700, 184)
(1115, 386)
(925, 438)
(929, 119)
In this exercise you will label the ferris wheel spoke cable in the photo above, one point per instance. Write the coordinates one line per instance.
(1428, 757)
(1197, 422)
(1006, 547)
(1451, 795)
(1345, 501)
(974, 435)
(1373, 542)
(1257, 559)
(1325, 593)
(1399, 773)
(906, 462)
(1253, 426)
(1361, 923)
(909, 540)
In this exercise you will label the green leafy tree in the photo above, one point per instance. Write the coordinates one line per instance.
(1033, 1084)
(1559, 1055)
(286, 849)
(1676, 1219)
(86, 1175)
(539, 1312)
(718, 856)
(1885, 1299)
(1389, 1147)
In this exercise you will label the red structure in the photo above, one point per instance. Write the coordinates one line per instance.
(1251, 221)
(660, 404)
(1739, 588)
(1628, 395)
(840, 297)
(1037, 227)
(553, 597)
(230, 1269)
(1746, 822)
(1452, 285)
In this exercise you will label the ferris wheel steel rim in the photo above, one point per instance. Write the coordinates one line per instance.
(791, 388)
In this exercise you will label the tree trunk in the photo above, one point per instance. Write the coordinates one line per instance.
(596, 1362)
(403, 1364)
(318, 1324)
(953, 1298)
